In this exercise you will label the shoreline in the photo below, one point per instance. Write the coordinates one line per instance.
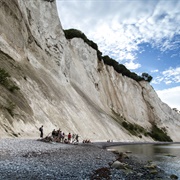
(34, 159)
(109, 144)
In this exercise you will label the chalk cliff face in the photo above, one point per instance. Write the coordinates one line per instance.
(64, 85)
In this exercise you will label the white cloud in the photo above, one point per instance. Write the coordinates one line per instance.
(172, 75)
(168, 82)
(132, 65)
(172, 72)
(155, 71)
(118, 27)
(170, 96)
(157, 80)
(174, 55)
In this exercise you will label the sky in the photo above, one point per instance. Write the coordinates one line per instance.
(144, 35)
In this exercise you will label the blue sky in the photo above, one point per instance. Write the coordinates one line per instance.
(144, 35)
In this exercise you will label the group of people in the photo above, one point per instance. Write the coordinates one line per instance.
(86, 141)
(59, 136)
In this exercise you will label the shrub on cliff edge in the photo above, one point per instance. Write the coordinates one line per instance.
(74, 33)
(159, 135)
(120, 68)
(4, 77)
(4, 80)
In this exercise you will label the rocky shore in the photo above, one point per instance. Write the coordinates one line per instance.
(33, 159)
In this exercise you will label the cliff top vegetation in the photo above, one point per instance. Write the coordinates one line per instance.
(120, 68)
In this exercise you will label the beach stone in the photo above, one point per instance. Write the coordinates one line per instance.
(173, 176)
(154, 171)
(139, 174)
(116, 152)
(129, 152)
(151, 166)
(119, 165)
(31, 159)
(127, 171)
(170, 155)
(122, 156)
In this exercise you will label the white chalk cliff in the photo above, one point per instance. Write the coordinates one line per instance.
(64, 85)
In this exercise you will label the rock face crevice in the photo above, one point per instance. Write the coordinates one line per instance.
(64, 85)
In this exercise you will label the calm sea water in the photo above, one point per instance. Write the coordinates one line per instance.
(166, 156)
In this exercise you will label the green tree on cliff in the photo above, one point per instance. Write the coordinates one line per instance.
(147, 77)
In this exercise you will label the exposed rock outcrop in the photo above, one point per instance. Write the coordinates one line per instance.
(64, 85)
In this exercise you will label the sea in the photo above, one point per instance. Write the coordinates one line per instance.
(166, 156)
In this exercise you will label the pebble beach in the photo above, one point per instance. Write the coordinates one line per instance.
(33, 159)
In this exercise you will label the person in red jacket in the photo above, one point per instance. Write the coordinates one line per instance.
(69, 137)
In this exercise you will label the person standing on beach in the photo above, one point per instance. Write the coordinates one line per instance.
(41, 131)
(63, 136)
(77, 136)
